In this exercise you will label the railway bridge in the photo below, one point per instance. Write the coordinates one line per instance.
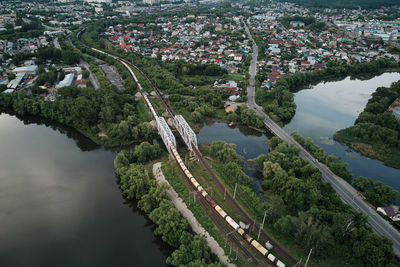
(190, 139)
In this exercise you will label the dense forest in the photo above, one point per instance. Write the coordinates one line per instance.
(191, 249)
(278, 102)
(344, 3)
(89, 111)
(308, 210)
(376, 132)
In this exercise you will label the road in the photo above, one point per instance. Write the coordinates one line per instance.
(345, 191)
(92, 78)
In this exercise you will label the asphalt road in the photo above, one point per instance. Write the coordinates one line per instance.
(345, 191)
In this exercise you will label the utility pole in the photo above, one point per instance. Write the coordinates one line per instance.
(224, 193)
(308, 257)
(234, 193)
(261, 226)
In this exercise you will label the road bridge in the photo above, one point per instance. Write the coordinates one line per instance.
(345, 191)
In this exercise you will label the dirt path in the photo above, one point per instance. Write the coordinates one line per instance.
(186, 213)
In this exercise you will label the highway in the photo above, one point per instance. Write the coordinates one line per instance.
(345, 191)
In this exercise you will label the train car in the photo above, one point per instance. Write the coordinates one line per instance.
(280, 264)
(240, 231)
(204, 193)
(211, 201)
(248, 238)
(271, 257)
(260, 248)
(195, 183)
(220, 211)
(232, 223)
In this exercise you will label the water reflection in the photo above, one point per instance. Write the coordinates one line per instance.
(62, 207)
(249, 143)
(331, 106)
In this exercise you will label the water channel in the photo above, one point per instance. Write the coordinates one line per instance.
(60, 204)
(321, 111)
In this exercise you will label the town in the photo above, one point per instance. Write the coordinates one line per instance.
(200, 133)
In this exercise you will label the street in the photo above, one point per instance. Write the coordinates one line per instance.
(345, 191)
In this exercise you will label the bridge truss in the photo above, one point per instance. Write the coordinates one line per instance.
(186, 132)
(165, 132)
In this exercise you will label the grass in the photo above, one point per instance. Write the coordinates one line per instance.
(247, 203)
(389, 156)
(175, 177)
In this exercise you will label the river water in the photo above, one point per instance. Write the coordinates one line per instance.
(321, 111)
(328, 107)
(60, 204)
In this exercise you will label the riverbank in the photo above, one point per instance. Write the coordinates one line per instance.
(49, 205)
(279, 103)
(376, 132)
(390, 157)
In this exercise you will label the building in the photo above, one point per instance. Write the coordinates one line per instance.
(30, 70)
(389, 212)
(297, 23)
(66, 82)
(14, 84)
(396, 114)
(98, 1)
(151, 2)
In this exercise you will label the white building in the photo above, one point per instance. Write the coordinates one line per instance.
(66, 82)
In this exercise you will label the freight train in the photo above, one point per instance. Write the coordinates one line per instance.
(261, 249)
(222, 213)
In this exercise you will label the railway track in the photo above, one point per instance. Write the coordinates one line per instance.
(206, 201)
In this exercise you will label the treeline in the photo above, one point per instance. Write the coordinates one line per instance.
(336, 165)
(27, 30)
(246, 116)
(89, 111)
(191, 249)
(307, 210)
(377, 128)
(310, 23)
(278, 102)
(376, 192)
(370, 4)
(232, 174)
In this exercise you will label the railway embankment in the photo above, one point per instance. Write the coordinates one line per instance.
(188, 215)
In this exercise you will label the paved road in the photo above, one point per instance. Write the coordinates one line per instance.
(92, 78)
(345, 191)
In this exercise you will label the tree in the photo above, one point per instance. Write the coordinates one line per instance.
(146, 152)
(133, 181)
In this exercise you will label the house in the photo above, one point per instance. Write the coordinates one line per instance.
(229, 109)
(390, 212)
(297, 23)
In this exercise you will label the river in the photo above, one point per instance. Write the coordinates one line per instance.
(321, 111)
(60, 204)
(328, 107)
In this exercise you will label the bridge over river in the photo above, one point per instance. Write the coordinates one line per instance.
(345, 191)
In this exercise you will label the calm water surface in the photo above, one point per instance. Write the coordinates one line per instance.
(331, 106)
(321, 111)
(60, 204)
(249, 143)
